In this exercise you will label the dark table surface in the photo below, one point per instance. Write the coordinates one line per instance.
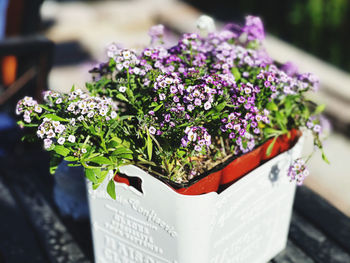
(32, 229)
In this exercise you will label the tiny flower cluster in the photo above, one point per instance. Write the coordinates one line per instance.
(298, 171)
(210, 97)
(50, 130)
(221, 84)
(77, 106)
(196, 138)
(28, 107)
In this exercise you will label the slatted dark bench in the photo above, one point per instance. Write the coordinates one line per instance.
(31, 229)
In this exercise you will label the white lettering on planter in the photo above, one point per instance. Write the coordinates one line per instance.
(151, 216)
(116, 251)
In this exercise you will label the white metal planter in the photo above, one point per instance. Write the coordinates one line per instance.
(247, 222)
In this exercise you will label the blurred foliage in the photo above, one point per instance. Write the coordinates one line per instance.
(321, 27)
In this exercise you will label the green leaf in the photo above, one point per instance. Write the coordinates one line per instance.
(61, 150)
(121, 97)
(70, 159)
(281, 120)
(269, 149)
(319, 109)
(111, 189)
(130, 94)
(236, 73)
(121, 150)
(270, 131)
(54, 117)
(100, 160)
(55, 160)
(90, 174)
(149, 146)
(324, 157)
(45, 107)
(271, 106)
(157, 108)
(220, 107)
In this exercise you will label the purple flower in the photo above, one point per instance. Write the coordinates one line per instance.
(167, 117)
(241, 99)
(317, 128)
(298, 171)
(197, 102)
(198, 148)
(184, 142)
(156, 32)
(254, 28)
(173, 89)
(241, 132)
(190, 107)
(290, 68)
(267, 84)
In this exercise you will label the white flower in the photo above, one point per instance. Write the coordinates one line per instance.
(103, 112)
(148, 53)
(207, 105)
(71, 138)
(168, 81)
(59, 101)
(72, 121)
(38, 109)
(27, 119)
(207, 137)
(61, 140)
(136, 70)
(192, 136)
(60, 128)
(83, 150)
(41, 133)
(47, 143)
(152, 130)
(80, 118)
(126, 54)
(78, 91)
(91, 114)
(50, 134)
(122, 89)
(82, 105)
(55, 123)
(113, 115)
(206, 24)
(71, 107)
(84, 111)
(91, 105)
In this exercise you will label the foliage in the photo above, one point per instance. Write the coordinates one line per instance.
(176, 111)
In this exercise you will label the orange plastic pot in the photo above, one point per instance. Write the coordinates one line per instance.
(230, 173)
(282, 144)
(240, 166)
(208, 184)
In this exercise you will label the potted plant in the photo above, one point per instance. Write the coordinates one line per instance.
(195, 143)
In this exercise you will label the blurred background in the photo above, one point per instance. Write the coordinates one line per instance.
(46, 44)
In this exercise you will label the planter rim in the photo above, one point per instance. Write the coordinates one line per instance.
(218, 167)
